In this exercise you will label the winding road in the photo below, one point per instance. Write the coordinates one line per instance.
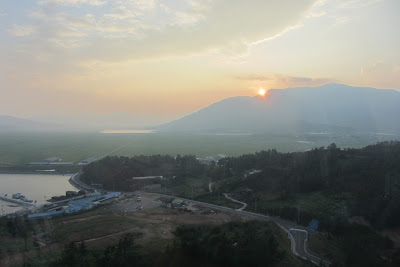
(297, 234)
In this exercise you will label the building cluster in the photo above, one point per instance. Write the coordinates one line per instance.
(68, 194)
(76, 205)
(59, 161)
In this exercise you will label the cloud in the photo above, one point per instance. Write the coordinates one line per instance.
(142, 29)
(21, 30)
(358, 3)
(381, 73)
(341, 20)
(379, 67)
(73, 2)
(283, 81)
(224, 24)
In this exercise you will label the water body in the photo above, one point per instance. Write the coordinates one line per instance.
(38, 187)
(131, 131)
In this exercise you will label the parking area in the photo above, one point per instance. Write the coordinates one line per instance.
(136, 202)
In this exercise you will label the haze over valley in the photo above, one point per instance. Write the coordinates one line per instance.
(200, 133)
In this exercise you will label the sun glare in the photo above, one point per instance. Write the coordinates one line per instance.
(261, 92)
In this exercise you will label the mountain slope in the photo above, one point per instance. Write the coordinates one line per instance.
(10, 123)
(332, 107)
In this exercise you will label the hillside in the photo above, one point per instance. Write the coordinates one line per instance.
(10, 123)
(328, 108)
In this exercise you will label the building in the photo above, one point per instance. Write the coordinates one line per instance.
(148, 177)
(44, 215)
(178, 203)
(87, 161)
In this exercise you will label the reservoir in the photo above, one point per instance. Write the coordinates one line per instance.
(131, 131)
(37, 187)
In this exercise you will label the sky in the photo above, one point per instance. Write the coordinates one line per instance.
(156, 60)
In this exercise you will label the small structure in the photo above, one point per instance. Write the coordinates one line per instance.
(147, 177)
(61, 163)
(178, 203)
(89, 202)
(17, 196)
(44, 215)
(71, 194)
(251, 173)
(313, 225)
(87, 161)
(73, 209)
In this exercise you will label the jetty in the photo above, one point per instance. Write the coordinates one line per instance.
(17, 201)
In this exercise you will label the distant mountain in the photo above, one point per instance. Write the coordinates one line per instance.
(328, 108)
(10, 123)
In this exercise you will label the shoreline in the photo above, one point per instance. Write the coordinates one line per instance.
(41, 172)
(78, 184)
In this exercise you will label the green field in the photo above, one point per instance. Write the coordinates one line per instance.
(22, 148)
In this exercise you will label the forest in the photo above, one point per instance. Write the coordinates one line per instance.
(233, 244)
(367, 179)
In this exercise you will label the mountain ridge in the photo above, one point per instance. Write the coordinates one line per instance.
(331, 106)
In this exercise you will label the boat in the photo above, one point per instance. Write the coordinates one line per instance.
(26, 200)
(18, 196)
(21, 197)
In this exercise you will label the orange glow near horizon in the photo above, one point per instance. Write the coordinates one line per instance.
(261, 92)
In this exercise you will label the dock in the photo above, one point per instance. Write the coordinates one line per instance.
(16, 201)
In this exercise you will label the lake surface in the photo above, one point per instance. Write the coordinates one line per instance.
(131, 131)
(39, 187)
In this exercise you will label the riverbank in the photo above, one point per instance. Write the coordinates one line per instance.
(38, 187)
(76, 182)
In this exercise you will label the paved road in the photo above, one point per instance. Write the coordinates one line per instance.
(297, 234)
(75, 181)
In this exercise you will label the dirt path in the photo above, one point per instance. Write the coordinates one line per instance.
(108, 236)
(237, 201)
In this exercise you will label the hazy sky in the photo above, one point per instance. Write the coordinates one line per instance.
(166, 58)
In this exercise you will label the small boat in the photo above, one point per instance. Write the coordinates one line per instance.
(18, 196)
(26, 200)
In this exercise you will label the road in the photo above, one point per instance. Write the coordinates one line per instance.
(75, 181)
(297, 234)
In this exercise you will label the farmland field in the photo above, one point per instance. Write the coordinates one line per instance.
(22, 148)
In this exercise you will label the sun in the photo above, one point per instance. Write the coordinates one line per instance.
(261, 92)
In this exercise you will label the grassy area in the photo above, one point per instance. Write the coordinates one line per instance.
(21, 148)
(316, 203)
(192, 187)
(104, 226)
(218, 199)
(326, 246)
